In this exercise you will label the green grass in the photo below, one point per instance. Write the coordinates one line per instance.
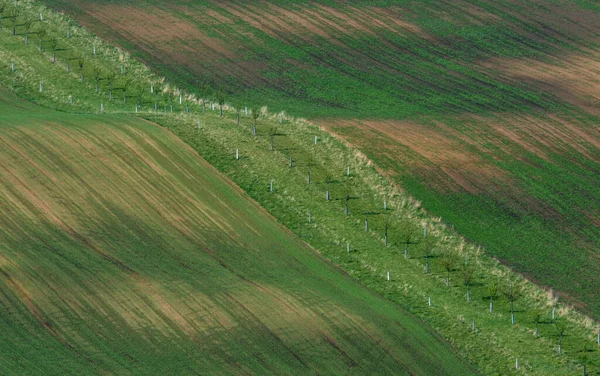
(431, 71)
(124, 252)
(495, 344)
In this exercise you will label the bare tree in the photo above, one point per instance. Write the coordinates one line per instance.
(12, 15)
(110, 80)
(203, 90)
(54, 48)
(309, 163)
(80, 64)
(407, 235)
(238, 111)
(139, 93)
(347, 197)
(220, 96)
(386, 227)
(560, 325)
(126, 85)
(583, 358)
(493, 292)
(536, 316)
(27, 24)
(255, 115)
(512, 294)
(97, 74)
(467, 277)
(428, 246)
(272, 134)
(41, 35)
(449, 262)
(157, 89)
(328, 179)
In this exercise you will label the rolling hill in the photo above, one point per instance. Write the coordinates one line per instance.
(481, 107)
(124, 252)
(287, 165)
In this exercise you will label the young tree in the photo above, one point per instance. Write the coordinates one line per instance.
(110, 80)
(272, 134)
(12, 15)
(238, 111)
(428, 246)
(220, 96)
(97, 74)
(560, 325)
(139, 90)
(449, 262)
(328, 179)
(583, 358)
(54, 48)
(309, 163)
(157, 89)
(407, 235)
(536, 317)
(255, 114)
(467, 277)
(126, 85)
(347, 197)
(80, 64)
(203, 91)
(493, 292)
(512, 295)
(27, 25)
(386, 227)
(41, 35)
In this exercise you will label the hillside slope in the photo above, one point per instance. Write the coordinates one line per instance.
(123, 252)
(471, 106)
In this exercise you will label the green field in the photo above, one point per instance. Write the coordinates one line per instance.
(481, 107)
(122, 251)
(495, 344)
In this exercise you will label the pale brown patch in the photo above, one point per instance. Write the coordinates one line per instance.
(439, 148)
(320, 20)
(574, 78)
(438, 151)
(196, 313)
(156, 27)
(280, 311)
